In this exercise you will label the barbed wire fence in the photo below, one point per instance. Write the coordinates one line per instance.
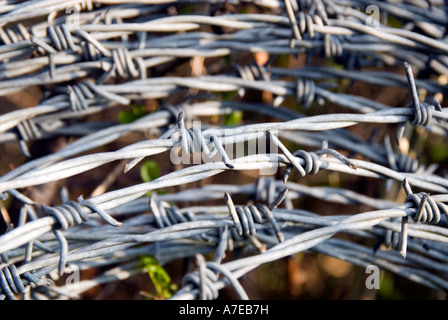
(92, 57)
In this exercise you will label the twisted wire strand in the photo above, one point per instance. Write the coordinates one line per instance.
(260, 235)
(335, 36)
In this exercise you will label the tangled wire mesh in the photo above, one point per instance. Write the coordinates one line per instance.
(221, 136)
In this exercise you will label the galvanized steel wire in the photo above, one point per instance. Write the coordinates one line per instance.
(91, 56)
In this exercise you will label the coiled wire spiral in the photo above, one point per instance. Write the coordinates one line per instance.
(84, 94)
(28, 131)
(333, 46)
(251, 72)
(402, 163)
(78, 95)
(305, 92)
(207, 276)
(166, 215)
(427, 211)
(11, 282)
(69, 214)
(61, 38)
(245, 217)
(192, 140)
(423, 111)
(302, 24)
(14, 34)
(311, 160)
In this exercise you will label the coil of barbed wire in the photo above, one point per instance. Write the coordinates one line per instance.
(125, 54)
(246, 217)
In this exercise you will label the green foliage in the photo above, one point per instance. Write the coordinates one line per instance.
(149, 170)
(388, 290)
(159, 277)
(233, 118)
(438, 150)
(229, 95)
(128, 116)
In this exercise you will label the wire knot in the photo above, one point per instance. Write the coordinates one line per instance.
(68, 215)
(333, 46)
(125, 66)
(423, 111)
(207, 276)
(79, 94)
(251, 72)
(11, 283)
(245, 217)
(28, 131)
(14, 34)
(305, 92)
(302, 24)
(61, 38)
(312, 162)
(193, 140)
(265, 189)
(202, 279)
(166, 215)
(427, 210)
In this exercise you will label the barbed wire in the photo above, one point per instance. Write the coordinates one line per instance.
(111, 58)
